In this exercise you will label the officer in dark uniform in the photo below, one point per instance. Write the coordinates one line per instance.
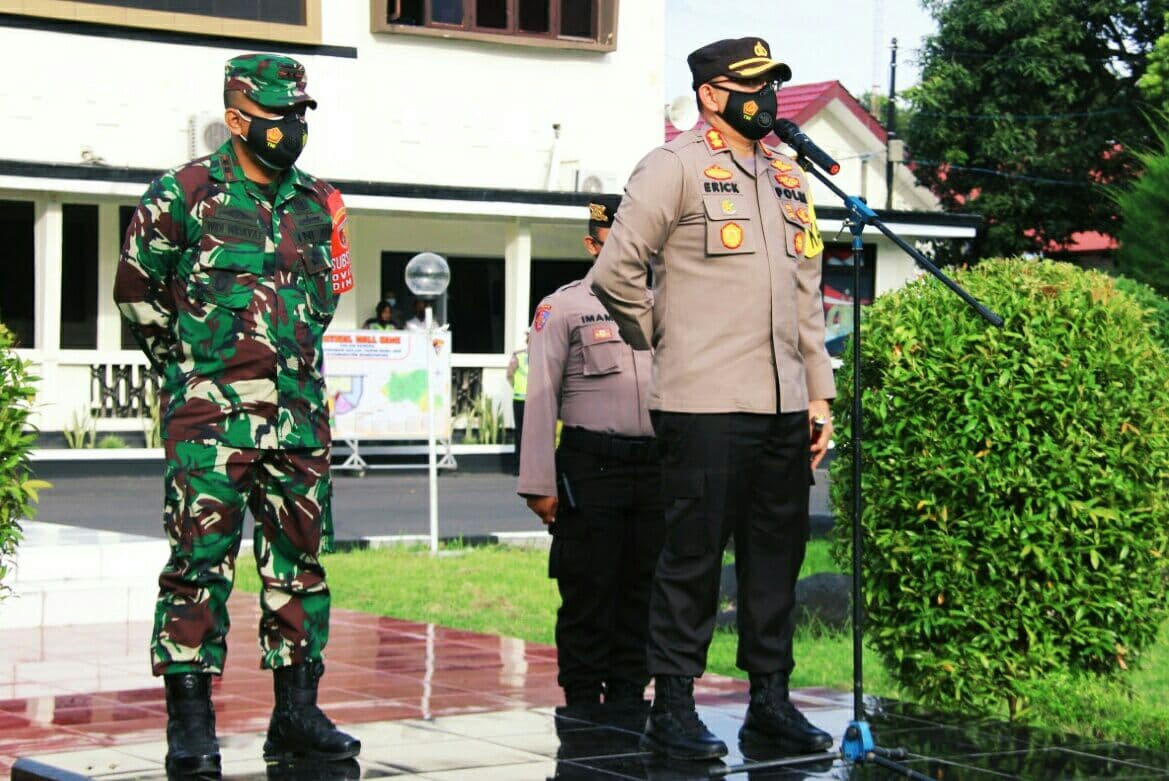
(600, 493)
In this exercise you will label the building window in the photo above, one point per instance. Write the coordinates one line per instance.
(473, 305)
(292, 21)
(836, 285)
(18, 273)
(550, 275)
(79, 277)
(578, 24)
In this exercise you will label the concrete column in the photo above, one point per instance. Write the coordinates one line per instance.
(109, 246)
(517, 256)
(47, 273)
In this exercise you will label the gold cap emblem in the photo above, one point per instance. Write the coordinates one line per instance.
(597, 212)
(761, 50)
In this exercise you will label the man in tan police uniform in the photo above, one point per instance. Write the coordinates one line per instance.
(740, 371)
(600, 493)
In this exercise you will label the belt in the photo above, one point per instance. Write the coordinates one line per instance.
(633, 450)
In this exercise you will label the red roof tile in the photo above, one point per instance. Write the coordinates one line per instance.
(801, 102)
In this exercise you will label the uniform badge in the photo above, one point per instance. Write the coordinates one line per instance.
(714, 140)
(728, 206)
(600, 333)
(597, 212)
(780, 166)
(798, 242)
(789, 210)
(803, 216)
(543, 312)
(273, 136)
(731, 235)
(787, 180)
(750, 109)
(718, 172)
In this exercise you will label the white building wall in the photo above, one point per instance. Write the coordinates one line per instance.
(407, 109)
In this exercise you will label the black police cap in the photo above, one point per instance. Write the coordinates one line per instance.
(744, 59)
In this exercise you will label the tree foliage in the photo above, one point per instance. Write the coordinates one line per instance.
(18, 490)
(1026, 108)
(1142, 206)
(1015, 483)
(1155, 82)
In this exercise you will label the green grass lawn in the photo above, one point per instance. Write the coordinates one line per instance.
(507, 591)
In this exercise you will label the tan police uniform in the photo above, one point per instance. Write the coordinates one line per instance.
(606, 473)
(737, 327)
(737, 322)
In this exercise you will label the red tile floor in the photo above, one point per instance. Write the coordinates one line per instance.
(86, 693)
(443, 704)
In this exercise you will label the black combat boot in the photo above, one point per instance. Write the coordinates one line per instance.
(673, 727)
(192, 749)
(773, 720)
(298, 729)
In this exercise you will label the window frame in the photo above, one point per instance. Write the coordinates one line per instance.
(170, 21)
(605, 15)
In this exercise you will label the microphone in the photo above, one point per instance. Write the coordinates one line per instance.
(789, 133)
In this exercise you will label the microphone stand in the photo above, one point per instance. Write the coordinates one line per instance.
(857, 745)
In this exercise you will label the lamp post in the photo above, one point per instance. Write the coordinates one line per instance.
(427, 276)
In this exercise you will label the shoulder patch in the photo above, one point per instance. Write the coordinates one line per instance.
(714, 140)
(543, 313)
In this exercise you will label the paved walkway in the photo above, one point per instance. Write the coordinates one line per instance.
(381, 503)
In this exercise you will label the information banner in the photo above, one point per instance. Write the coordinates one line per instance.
(377, 384)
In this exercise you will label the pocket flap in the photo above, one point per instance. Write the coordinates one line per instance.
(726, 207)
(316, 258)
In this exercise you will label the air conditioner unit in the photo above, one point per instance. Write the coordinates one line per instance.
(592, 180)
(206, 132)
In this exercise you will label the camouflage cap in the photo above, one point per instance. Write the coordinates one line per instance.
(272, 80)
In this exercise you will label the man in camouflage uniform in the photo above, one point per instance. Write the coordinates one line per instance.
(228, 278)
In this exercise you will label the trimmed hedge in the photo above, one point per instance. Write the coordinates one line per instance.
(1014, 481)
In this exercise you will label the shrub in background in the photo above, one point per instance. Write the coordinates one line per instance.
(1144, 231)
(1014, 481)
(1158, 306)
(17, 489)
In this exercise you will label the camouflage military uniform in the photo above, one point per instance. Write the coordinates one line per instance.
(228, 287)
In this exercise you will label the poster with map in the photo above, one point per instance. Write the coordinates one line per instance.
(377, 383)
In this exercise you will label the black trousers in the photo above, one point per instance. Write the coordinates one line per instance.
(737, 473)
(605, 546)
(517, 410)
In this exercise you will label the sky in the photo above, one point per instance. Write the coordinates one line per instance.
(822, 40)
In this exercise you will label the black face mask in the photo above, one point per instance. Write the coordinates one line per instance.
(277, 142)
(752, 114)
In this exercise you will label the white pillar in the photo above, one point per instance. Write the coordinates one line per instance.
(109, 246)
(47, 291)
(517, 256)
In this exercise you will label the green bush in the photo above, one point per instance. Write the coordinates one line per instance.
(17, 489)
(111, 442)
(1014, 481)
(1158, 306)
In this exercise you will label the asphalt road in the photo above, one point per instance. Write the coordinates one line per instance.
(382, 503)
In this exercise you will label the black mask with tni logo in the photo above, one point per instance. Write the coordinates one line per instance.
(277, 142)
(750, 113)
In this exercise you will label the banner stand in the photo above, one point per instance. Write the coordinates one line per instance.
(356, 463)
